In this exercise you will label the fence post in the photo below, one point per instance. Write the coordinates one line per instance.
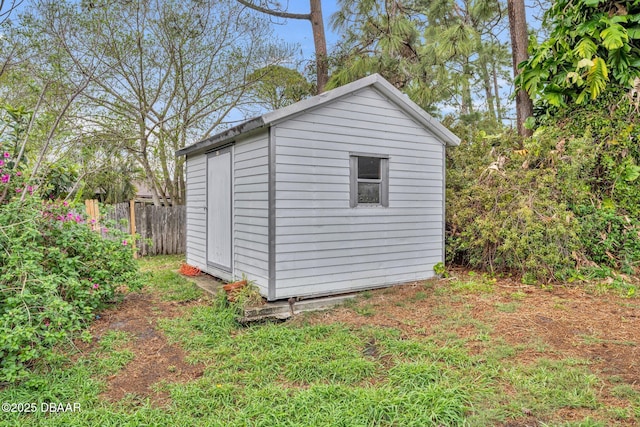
(93, 212)
(132, 226)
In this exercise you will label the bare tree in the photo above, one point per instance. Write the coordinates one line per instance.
(6, 8)
(163, 73)
(519, 44)
(317, 27)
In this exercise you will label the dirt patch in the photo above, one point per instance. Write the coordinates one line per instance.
(556, 323)
(602, 329)
(155, 360)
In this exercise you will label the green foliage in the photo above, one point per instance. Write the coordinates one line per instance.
(381, 38)
(440, 269)
(592, 48)
(504, 216)
(60, 178)
(55, 272)
(275, 86)
(436, 52)
(610, 238)
(566, 198)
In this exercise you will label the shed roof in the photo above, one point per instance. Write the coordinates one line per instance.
(375, 80)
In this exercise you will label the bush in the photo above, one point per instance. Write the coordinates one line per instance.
(610, 239)
(507, 218)
(544, 207)
(55, 272)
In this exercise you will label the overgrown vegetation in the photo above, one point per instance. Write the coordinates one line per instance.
(55, 272)
(559, 205)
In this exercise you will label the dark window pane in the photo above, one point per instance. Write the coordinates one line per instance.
(368, 168)
(368, 192)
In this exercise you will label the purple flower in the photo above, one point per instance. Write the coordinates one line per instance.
(18, 190)
(124, 243)
(1, 163)
(5, 178)
(96, 286)
(6, 155)
(65, 203)
(19, 173)
(30, 189)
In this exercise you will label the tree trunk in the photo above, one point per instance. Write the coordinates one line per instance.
(496, 90)
(151, 182)
(317, 27)
(486, 81)
(320, 44)
(519, 43)
(178, 177)
(467, 99)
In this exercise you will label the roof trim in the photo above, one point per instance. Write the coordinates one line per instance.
(374, 80)
(222, 138)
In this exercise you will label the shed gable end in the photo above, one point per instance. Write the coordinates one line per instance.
(325, 244)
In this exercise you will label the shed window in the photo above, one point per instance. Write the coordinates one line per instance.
(369, 180)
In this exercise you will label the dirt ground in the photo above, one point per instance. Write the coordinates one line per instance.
(561, 321)
(155, 358)
(554, 323)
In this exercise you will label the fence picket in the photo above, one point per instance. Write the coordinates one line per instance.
(163, 225)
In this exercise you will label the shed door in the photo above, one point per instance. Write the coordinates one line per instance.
(219, 209)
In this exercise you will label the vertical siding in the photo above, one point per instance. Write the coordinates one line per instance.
(196, 213)
(322, 245)
(251, 209)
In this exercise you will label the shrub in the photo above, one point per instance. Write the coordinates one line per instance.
(563, 199)
(610, 239)
(506, 218)
(55, 272)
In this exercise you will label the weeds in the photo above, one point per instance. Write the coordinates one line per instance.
(365, 310)
(510, 307)
(308, 374)
(474, 283)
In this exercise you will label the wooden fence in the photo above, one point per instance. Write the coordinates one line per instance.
(161, 228)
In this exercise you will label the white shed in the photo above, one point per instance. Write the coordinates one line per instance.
(340, 192)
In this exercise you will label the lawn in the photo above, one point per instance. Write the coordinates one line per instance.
(468, 350)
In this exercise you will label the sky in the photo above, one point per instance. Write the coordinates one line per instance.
(299, 31)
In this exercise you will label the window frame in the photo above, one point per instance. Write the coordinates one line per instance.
(354, 180)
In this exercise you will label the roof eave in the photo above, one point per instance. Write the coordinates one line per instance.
(222, 138)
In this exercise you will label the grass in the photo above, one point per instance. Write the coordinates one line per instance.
(173, 287)
(165, 280)
(305, 374)
(469, 284)
(590, 339)
(509, 307)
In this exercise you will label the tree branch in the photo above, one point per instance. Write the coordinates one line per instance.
(277, 13)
